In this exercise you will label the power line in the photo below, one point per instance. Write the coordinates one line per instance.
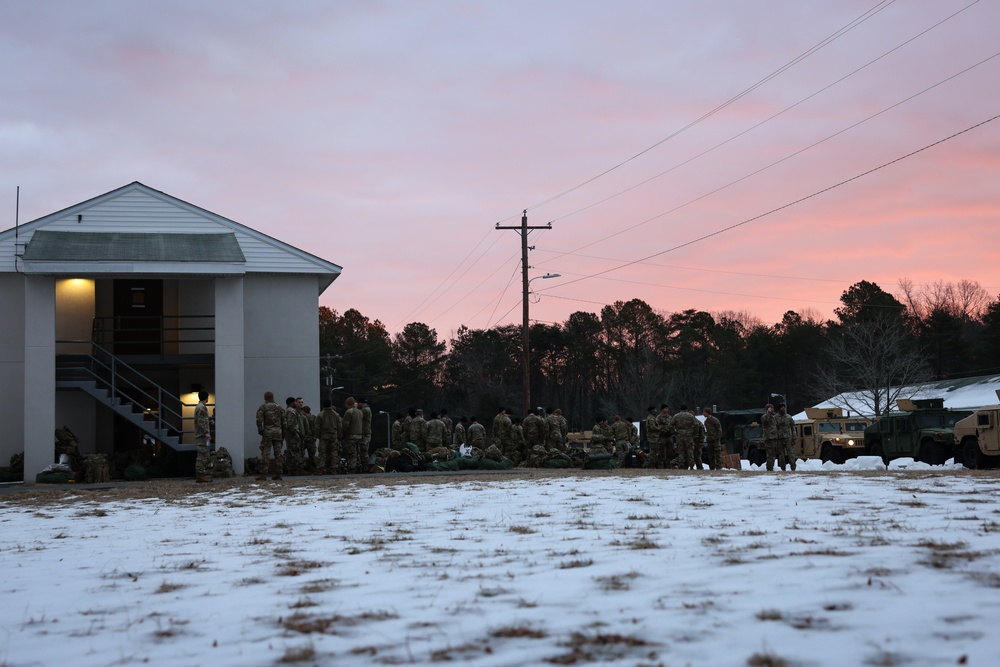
(840, 32)
(777, 209)
(766, 120)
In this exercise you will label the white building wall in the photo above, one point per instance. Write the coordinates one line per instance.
(39, 406)
(281, 344)
(11, 366)
(230, 410)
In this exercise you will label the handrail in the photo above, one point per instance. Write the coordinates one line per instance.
(153, 330)
(115, 367)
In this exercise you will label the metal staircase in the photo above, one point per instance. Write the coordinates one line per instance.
(125, 391)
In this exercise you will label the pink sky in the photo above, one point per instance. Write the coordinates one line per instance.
(390, 137)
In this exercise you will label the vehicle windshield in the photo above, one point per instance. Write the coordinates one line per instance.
(854, 426)
(930, 421)
(752, 432)
(826, 427)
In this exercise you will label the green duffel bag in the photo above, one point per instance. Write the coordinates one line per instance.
(600, 462)
(490, 464)
(55, 478)
(442, 466)
(558, 462)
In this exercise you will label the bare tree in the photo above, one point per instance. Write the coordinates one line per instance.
(965, 300)
(869, 365)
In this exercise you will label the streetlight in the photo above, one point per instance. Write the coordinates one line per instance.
(388, 428)
(524, 334)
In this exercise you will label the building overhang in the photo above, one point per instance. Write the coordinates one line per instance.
(56, 253)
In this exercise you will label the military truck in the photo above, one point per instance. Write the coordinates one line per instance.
(977, 437)
(828, 435)
(921, 429)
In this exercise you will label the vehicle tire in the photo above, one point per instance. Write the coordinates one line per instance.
(826, 452)
(928, 452)
(876, 450)
(970, 453)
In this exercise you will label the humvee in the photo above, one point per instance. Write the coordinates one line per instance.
(977, 437)
(921, 429)
(828, 435)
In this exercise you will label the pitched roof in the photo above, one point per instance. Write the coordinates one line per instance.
(138, 209)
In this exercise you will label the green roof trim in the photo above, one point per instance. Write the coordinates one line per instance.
(50, 246)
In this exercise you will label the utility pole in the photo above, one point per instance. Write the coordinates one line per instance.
(523, 228)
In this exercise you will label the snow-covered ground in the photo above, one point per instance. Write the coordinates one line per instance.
(848, 567)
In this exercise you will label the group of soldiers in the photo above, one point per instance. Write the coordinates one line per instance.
(514, 438)
(675, 440)
(330, 442)
(779, 436)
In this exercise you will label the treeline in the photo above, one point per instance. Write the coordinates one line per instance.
(630, 356)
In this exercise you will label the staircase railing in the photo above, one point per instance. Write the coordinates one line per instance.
(122, 381)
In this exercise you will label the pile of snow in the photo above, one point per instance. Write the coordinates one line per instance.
(610, 568)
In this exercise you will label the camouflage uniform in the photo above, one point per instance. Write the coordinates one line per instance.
(458, 436)
(417, 432)
(601, 438)
(364, 454)
(449, 426)
(202, 437)
(476, 434)
(713, 431)
(786, 438)
(351, 435)
(699, 439)
(555, 430)
(664, 454)
(769, 422)
(652, 432)
(294, 427)
(269, 424)
(517, 452)
(329, 423)
(620, 434)
(683, 423)
(504, 435)
(534, 430)
(436, 433)
(311, 433)
(397, 434)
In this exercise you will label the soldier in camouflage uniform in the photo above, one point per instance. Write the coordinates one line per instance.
(269, 425)
(364, 455)
(505, 433)
(518, 451)
(418, 431)
(601, 437)
(713, 433)
(620, 433)
(202, 436)
(770, 425)
(663, 457)
(476, 434)
(294, 427)
(329, 425)
(652, 434)
(436, 432)
(683, 424)
(449, 425)
(556, 430)
(311, 433)
(351, 433)
(458, 436)
(396, 440)
(699, 439)
(534, 429)
(786, 437)
(495, 429)
(404, 426)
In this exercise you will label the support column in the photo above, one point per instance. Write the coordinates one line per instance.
(39, 374)
(230, 403)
